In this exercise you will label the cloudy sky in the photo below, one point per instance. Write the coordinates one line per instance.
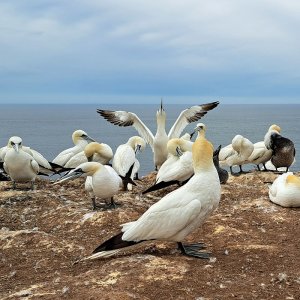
(235, 51)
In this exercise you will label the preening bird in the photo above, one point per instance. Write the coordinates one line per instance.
(80, 140)
(237, 153)
(158, 143)
(285, 190)
(284, 151)
(98, 152)
(178, 213)
(125, 157)
(261, 154)
(19, 165)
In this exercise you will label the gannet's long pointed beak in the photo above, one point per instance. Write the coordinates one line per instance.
(161, 104)
(71, 175)
(178, 151)
(16, 147)
(192, 134)
(137, 149)
(88, 138)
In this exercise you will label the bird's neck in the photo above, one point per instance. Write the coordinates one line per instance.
(161, 123)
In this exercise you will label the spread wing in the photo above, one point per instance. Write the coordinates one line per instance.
(188, 116)
(124, 118)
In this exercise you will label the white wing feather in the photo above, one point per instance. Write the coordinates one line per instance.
(124, 118)
(189, 115)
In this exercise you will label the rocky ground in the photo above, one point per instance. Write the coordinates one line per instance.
(254, 243)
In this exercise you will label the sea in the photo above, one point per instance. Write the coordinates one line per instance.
(48, 128)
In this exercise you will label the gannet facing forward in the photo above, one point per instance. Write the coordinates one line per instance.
(125, 156)
(158, 143)
(19, 165)
(80, 139)
(178, 213)
(285, 190)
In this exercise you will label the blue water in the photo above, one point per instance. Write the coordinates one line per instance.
(48, 128)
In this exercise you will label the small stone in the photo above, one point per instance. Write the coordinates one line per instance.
(226, 252)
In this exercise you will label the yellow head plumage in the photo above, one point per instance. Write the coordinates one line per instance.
(292, 179)
(92, 148)
(275, 127)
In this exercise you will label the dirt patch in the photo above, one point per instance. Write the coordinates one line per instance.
(254, 243)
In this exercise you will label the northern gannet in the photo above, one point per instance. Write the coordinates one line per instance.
(261, 154)
(285, 190)
(98, 152)
(38, 157)
(103, 181)
(19, 165)
(178, 213)
(284, 151)
(178, 168)
(158, 143)
(237, 153)
(125, 157)
(80, 139)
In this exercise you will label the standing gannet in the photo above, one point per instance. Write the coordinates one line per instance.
(158, 143)
(261, 154)
(285, 190)
(80, 139)
(98, 152)
(178, 213)
(125, 157)
(284, 151)
(19, 165)
(102, 181)
(272, 129)
(242, 148)
(38, 157)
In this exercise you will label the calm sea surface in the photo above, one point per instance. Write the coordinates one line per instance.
(48, 128)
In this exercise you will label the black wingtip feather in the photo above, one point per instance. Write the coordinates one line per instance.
(114, 243)
(159, 186)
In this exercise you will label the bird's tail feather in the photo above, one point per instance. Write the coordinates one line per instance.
(114, 243)
(127, 178)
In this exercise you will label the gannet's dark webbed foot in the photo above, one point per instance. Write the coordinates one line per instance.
(136, 176)
(94, 203)
(193, 250)
(258, 168)
(112, 204)
(14, 185)
(32, 185)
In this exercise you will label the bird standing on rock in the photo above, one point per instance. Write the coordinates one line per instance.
(125, 157)
(102, 181)
(178, 213)
(19, 165)
(283, 151)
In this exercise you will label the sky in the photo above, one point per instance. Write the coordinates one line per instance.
(128, 51)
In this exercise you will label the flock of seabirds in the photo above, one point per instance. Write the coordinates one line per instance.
(195, 167)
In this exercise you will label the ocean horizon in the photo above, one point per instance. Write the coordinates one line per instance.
(47, 128)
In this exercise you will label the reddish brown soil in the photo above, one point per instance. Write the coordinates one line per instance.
(255, 247)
